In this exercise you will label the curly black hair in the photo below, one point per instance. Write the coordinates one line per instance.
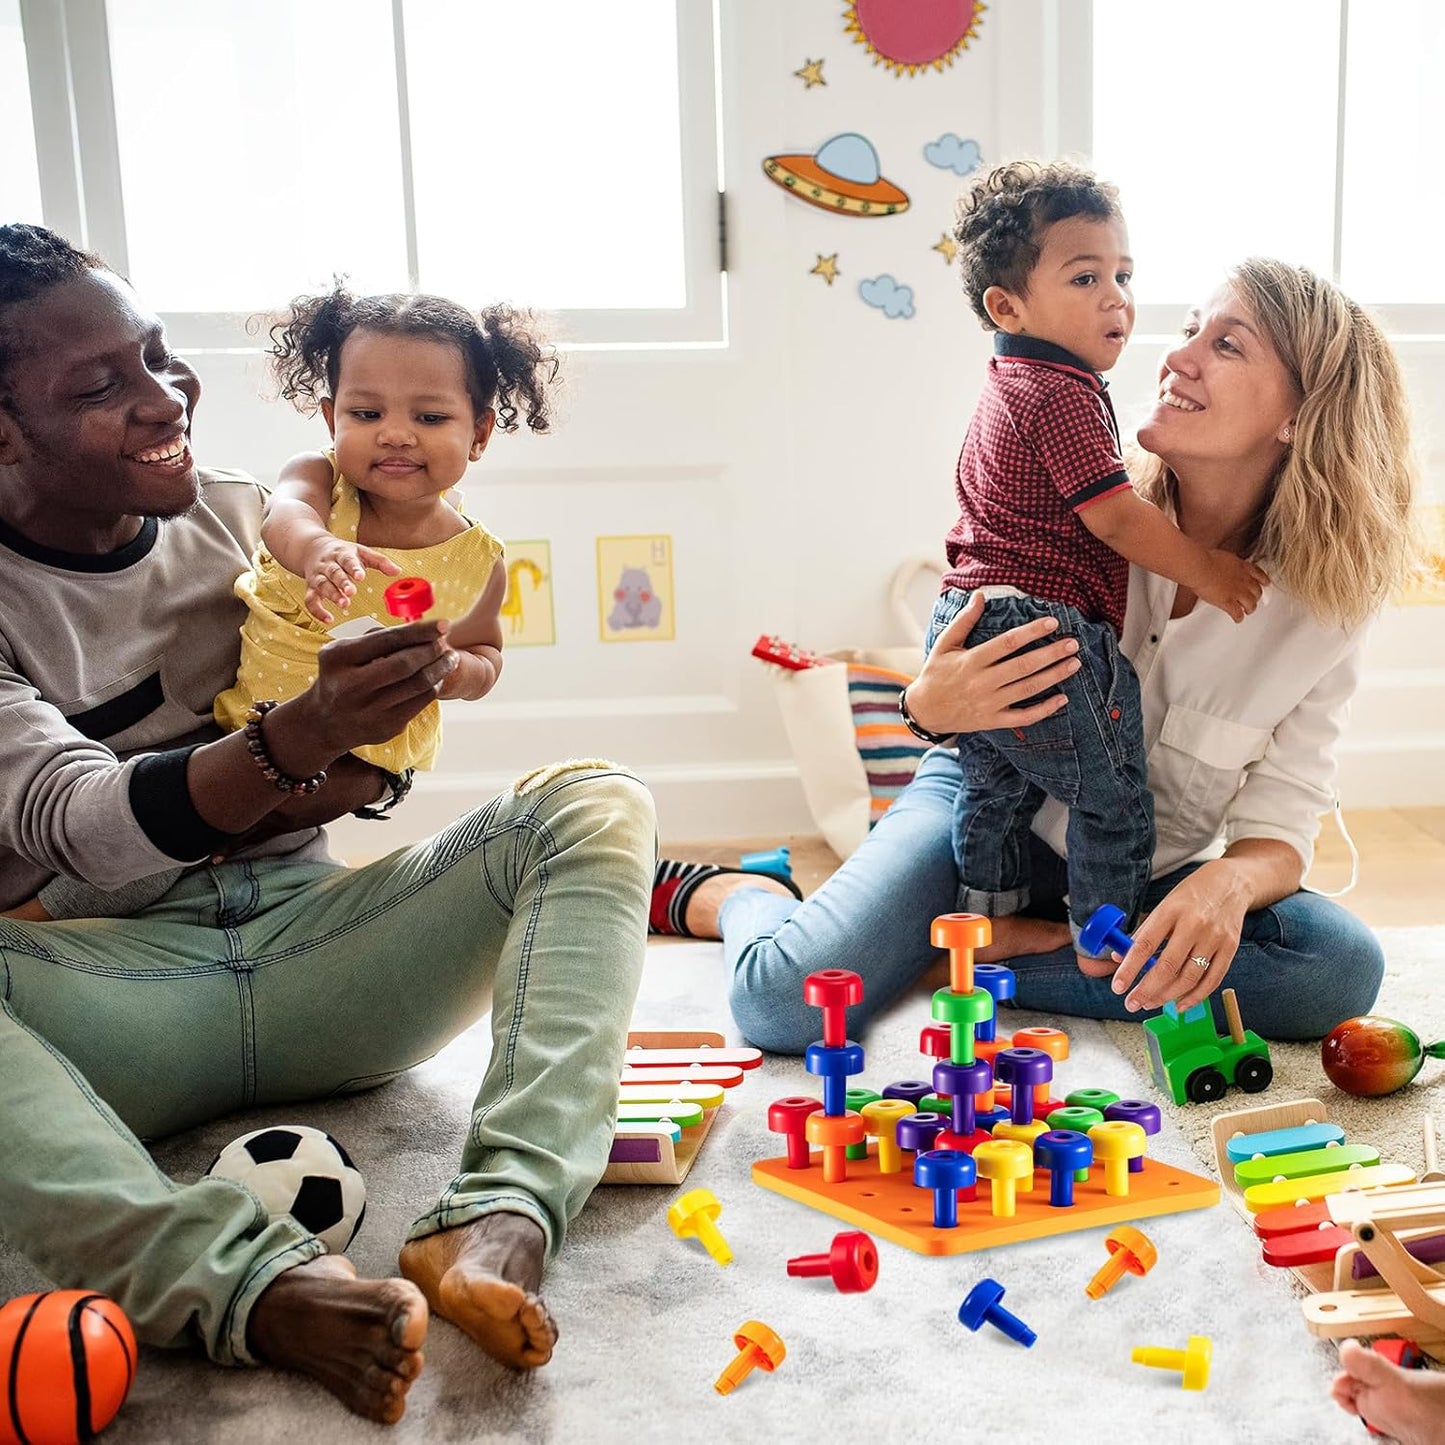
(508, 366)
(1002, 217)
(32, 260)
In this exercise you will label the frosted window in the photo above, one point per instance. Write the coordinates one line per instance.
(1218, 125)
(259, 149)
(546, 153)
(19, 177)
(1394, 210)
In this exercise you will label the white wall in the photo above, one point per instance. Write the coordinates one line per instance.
(794, 469)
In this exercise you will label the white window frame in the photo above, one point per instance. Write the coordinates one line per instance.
(1060, 35)
(67, 50)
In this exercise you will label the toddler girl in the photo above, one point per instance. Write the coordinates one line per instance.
(410, 388)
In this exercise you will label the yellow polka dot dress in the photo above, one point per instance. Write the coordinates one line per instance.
(280, 639)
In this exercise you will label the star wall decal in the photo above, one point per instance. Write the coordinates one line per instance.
(827, 268)
(947, 247)
(811, 74)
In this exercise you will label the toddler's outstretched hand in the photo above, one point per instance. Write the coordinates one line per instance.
(1235, 585)
(333, 568)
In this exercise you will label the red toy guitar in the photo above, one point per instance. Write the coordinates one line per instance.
(786, 654)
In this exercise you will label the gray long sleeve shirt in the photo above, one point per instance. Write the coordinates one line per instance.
(107, 663)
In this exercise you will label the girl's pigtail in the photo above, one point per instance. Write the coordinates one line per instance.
(306, 345)
(525, 366)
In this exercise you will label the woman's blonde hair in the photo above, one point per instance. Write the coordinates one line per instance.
(1338, 527)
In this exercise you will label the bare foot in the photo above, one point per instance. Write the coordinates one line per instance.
(1096, 967)
(361, 1338)
(1014, 936)
(1407, 1404)
(708, 896)
(484, 1278)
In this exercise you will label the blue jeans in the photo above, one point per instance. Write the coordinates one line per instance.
(1303, 963)
(261, 983)
(1089, 756)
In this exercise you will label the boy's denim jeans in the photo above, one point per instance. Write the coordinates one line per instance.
(265, 982)
(1089, 756)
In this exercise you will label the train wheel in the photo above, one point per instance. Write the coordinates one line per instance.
(1204, 1086)
(1254, 1073)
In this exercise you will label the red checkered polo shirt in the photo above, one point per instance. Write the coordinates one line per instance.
(1042, 445)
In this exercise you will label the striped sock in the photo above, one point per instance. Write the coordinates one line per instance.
(673, 885)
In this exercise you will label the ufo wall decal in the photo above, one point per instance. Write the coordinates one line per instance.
(842, 176)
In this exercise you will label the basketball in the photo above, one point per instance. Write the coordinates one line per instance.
(67, 1359)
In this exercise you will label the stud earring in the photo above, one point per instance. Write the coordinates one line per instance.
(1287, 434)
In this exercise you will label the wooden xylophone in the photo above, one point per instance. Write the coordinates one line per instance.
(672, 1085)
(1364, 1235)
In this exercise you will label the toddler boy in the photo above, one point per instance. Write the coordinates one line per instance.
(1048, 524)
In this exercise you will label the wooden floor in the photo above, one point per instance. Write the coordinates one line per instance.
(1402, 863)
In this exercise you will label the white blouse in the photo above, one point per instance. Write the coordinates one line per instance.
(1240, 721)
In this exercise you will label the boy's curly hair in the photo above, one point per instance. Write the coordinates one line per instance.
(509, 367)
(1001, 220)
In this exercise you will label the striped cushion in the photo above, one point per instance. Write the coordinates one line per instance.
(889, 751)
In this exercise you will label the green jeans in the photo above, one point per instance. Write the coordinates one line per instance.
(257, 983)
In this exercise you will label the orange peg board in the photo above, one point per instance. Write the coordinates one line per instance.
(893, 1207)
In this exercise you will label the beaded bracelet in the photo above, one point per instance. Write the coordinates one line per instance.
(284, 782)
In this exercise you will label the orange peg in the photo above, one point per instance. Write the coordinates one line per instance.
(758, 1348)
(1131, 1251)
(960, 934)
(833, 1133)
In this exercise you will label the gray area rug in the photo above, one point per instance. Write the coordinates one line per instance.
(647, 1320)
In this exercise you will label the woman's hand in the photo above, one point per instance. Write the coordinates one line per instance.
(1201, 917)
(971, 689)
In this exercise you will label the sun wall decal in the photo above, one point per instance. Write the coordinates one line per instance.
(911, 35)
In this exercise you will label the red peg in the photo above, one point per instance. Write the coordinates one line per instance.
(790, 1116)
(833, 990)
(852, 1261)
(936, 1040)
(409, 598)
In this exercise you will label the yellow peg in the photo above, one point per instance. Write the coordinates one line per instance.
(693, 1215)
(1192, 1361)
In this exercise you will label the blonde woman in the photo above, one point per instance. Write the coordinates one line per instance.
(1280, 433)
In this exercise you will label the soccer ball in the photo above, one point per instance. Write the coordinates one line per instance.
(297, 1170)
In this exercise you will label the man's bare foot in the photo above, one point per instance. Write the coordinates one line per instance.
(484, 1278)
(708, 896)
(361, 1338)
(1406, 1404)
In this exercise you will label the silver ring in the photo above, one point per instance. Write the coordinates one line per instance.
(1199, 960)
